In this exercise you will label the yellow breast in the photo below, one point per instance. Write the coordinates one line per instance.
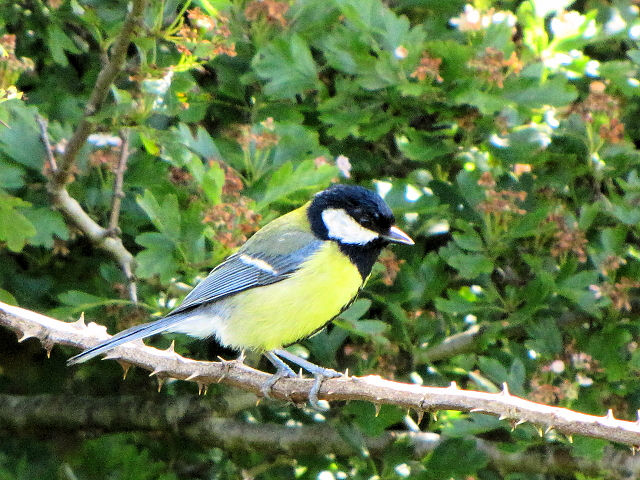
(269, 317)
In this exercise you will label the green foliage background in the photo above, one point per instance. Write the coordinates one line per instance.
(504, 135)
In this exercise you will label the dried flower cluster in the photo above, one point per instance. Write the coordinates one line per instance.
(391, 266)
(429, 67)
(567, 238)
(500, 201)
(233, 219)
(205, 36)
(619, 292)
(11, 67)
(272, 10)
(596, 102)
(495, 67)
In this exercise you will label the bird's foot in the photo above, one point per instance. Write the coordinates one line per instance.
(319, 374)
(282, 371)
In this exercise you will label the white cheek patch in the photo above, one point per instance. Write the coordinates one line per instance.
(342, 227)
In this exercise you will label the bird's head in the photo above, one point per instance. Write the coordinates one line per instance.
(352, 215)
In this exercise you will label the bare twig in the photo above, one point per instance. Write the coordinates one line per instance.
(451, 346)
(208, 424)
(111, 68)
(44, 136)
(167, 363)
(118, 193)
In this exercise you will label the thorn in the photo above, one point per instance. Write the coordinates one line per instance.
(548, 429)
(111, 355)
(435, 416)
(160, 383)
(47, 345)
(27, 334)
(505, 389)
(540, 432)
(634, 449)
(171, 348)
(570, 438)
(346, 373)
(377, 405)
(191, 377)
(609, 415)
(79, 324)
(420, 416)
(202, 388)
(156, 372)
(454, 386)
(125, 367)
(503, 416)
(258, 401)
(477, 410)
(519, 422)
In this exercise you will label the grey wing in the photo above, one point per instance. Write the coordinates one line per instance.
(245, 270)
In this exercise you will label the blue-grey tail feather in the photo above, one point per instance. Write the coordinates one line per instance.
(136, 332)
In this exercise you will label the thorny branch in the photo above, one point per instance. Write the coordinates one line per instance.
(209, 424)
(168, 364)
(103, 238)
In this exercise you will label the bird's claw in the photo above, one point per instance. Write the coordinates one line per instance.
(318, 378)
(267, 386)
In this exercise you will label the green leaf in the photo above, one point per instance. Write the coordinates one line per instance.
(165, 217)
(6, 297)
(469, 240)
(455, 458)
(15, 228)
(286, 181)
(287, 66)
(158, 257)
(48, 223)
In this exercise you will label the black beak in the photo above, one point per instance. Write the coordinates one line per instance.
(396, 235)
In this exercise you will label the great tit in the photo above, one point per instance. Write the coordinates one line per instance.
(286, 282)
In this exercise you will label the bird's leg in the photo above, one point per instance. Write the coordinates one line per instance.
(282, 371)
(319, 374)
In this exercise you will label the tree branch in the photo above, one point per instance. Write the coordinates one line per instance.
(107, 75)
(207, 424)
(60, 198)
(372, 388)
(451, 346)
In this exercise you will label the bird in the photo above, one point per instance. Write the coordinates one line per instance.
(290, 279)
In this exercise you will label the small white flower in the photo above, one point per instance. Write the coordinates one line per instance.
(498, 141)
(411, 193)
(583, 380)
(325, 475)
(403, 470)
(400, 52)
(383, 187)
(470, 319)
(344, 165)
(104, 140)
(592, 68)
(567, 24)
(615, 24)
(550, 118)
(557, 366)
(532, 354)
